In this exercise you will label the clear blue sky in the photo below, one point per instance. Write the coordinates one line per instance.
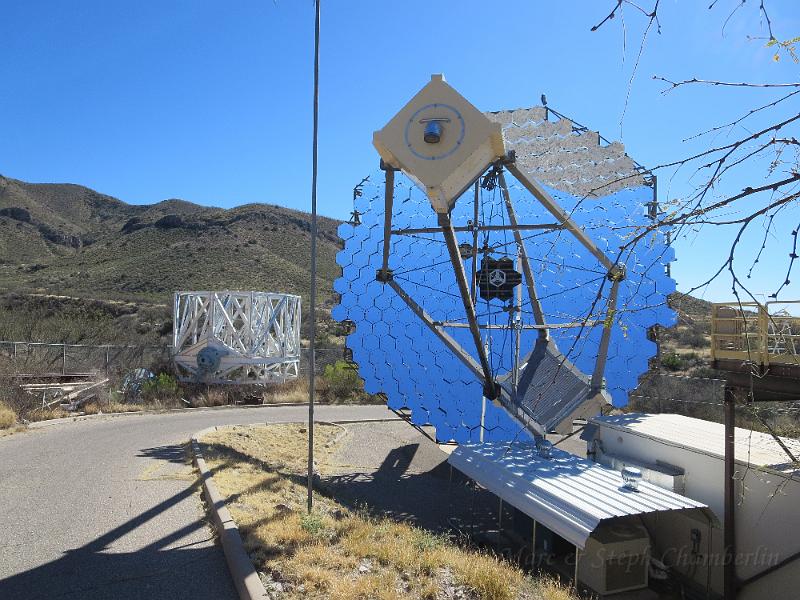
(210, 101)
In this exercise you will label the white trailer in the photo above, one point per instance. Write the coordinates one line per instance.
(686, 455)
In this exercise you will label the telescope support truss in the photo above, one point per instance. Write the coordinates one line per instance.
(236, 337)
(481, 367)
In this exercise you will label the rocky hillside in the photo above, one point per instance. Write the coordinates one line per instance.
(69, 240)
(76, 265)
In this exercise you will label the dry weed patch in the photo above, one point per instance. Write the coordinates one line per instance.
(339, 553)
(8, 418)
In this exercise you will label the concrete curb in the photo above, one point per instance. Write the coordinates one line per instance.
(169, 411)
(245, 577)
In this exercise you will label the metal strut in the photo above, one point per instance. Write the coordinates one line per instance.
(615, 276)
(615, 272)
(559, 213)
(384, 274)
(530, 282)
(446, 338)
(490, 387)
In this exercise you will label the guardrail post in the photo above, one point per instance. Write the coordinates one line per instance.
(64, 359)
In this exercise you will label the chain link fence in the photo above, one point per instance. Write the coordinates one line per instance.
(40, 359)
(38, 375)
(703, 398)
(32, 360)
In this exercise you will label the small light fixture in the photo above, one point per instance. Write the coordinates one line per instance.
(631, 476)
(544, 449)
(433, 132)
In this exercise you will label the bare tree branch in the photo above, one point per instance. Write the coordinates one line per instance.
(744, 84)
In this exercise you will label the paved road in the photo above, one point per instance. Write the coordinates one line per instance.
(108, 508)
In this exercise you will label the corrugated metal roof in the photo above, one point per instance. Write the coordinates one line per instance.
(567, 494)
(751, 447)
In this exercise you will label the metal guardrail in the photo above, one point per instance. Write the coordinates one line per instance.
(756, 333)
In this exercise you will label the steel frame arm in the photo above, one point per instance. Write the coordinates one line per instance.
(469, 307)
(554, 209)
(387, 218)
(605, 339)
(446, 339)
(530, 282)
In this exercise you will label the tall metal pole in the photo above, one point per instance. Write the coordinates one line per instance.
(312, 361)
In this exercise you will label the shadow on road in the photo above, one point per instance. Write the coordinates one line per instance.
(95, 571)
(172, 453)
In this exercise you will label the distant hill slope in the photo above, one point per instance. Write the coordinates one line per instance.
(70, 240)
(66, 251)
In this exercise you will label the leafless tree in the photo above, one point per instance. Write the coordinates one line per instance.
(764, 139)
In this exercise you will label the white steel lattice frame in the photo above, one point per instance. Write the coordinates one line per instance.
(257, 335)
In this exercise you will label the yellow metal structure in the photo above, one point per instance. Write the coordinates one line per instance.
(756, 333)
(441, 141)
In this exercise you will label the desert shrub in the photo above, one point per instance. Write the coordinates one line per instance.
(294, 390)
(342, 380)
(692, 338)
(17, 400)
(672, 361)
(211, 396)
(8, 417)
(162, 387)
(705, 372)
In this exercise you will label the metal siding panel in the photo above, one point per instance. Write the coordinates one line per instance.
(707, 437)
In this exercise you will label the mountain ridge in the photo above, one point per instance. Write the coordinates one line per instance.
(71, 240)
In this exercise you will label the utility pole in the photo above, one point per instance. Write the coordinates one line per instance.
(312, 361)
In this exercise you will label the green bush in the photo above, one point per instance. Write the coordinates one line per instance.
(692, 338)
(312, 524)
(672, 361)
(165, 386)
(342, 380)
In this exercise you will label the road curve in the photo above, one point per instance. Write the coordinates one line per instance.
(108, 508)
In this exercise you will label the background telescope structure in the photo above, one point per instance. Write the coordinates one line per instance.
(236, 337)
(502, 276)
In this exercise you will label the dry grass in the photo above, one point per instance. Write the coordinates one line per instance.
(46, 414)
(334, 552)
(93, 408)
(90, 408)
(290, 392)
(8, 418)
